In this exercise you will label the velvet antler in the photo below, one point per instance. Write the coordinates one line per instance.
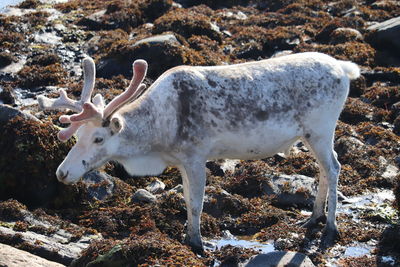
(96, 111)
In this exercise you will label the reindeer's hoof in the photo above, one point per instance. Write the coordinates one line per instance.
(329, 237)
(197, 246)
(312, 223)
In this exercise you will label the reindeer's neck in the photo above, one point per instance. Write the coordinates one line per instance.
(147, 123)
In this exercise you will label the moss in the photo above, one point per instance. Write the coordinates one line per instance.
(35, 75)
(6, 59)
(122, 15)
(38, 152)
(382, 96)
(123, 53)
(11, 40)
(360, 53)
(35, 19)
(232, 256)
(12, 210)
(186, 23)
(44, 59)
(358, 261)
(152, 248)
(29, 4)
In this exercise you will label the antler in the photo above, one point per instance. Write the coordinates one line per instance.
(132, 92)
(96, 111)
(64, 102)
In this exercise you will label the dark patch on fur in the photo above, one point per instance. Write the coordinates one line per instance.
(189, 112)
(308, 135)
(212, 83)
(262, 115)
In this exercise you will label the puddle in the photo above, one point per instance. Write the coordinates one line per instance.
(377, 200)
(356, 251)
(244, 242)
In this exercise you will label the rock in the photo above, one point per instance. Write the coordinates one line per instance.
(279, 259)
(99, 185)
(385, 35)
(221, 167)
(156, 187)
(396, 123)
(342, 35)
(164, 46)
(143, 195)
(215, 168)
(390, 173)
(42, 234)
(291, 190)
(218, 201)
(7, 96)
(50, 38)
(29, 156)
(356, 111)
(7, 113)
(177, 189)
(158, 39)
(346, 145)
(188, 24)
(12, 257)
(95, 21)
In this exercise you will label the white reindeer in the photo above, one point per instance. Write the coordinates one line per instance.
(192, 114)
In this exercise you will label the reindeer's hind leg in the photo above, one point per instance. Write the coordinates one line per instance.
(194, 182)
(322, 146)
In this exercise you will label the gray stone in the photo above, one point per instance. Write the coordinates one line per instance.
(47, 238)
(143, 195)
(7, 113)
(156, 187)
(158, 39)
(386, 35)
(342, 35)
(218, 201)
(151, 49)
(99, 185)
(279, 259)
(177, 189)
(291, 190)
(12, 257)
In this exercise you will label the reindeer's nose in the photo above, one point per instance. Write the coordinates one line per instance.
(61, 176)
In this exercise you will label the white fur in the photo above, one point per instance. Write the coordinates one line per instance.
(245, 111)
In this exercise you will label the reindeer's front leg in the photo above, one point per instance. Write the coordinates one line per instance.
(194, 181)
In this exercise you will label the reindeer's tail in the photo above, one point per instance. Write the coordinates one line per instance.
(350, 69)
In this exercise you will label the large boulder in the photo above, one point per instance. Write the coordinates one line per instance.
(291, 190)
(279, 259)
(12, 257)
(163, 51)
(44, 235)
(385, 36)
(29, 155)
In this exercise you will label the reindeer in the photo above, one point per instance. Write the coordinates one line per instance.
(191, 114)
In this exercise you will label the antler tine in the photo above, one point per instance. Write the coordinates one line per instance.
(63, 102)
(67, 133)
(89, 73)
(139, 72)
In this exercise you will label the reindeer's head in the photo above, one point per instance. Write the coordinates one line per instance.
(96, 125)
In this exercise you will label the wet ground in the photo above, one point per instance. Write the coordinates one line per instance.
(98, 222)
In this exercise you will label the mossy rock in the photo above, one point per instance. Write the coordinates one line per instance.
(30, 154)
(150, 249)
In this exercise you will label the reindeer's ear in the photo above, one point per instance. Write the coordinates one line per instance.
(116, 124)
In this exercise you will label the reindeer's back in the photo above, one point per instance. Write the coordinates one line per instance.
(250, 98)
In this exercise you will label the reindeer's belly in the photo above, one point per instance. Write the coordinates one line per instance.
(256, 143)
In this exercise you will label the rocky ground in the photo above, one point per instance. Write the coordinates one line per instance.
(112, 219)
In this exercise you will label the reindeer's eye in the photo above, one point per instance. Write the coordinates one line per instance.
(98, 140)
